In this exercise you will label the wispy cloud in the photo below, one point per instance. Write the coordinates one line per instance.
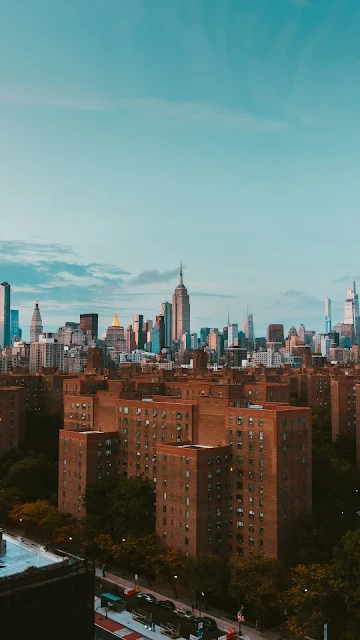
(153, 276)
(297, 299)
(207, 294)
(45, 97)
(192, 111)
(204, 112)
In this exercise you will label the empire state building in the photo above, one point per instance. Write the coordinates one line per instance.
(180, 310)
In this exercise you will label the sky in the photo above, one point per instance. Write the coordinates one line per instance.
(135, 133)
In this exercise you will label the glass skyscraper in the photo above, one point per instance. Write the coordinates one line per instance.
(15, 331)
(5, 339)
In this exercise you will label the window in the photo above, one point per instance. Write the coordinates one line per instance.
(251, 514)
(239, 420)
(239, 446)
(284, 436)
(261, 516)
(126, 410)
(261, 422)
(261, 435)
(239, 524)
(251, 421)
(164, 495)
(251, 486)
(251, 447)
(239, 433)
(251, 542)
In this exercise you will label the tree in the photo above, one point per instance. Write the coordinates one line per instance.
(138, 555)
(207, 573)
(120, 507)
(309, 599)
(31, 477)
(346, 571)
(171, 565)
(43, 518)
(254, 582)
(8, 499)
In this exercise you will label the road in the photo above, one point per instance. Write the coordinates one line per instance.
(160, 615)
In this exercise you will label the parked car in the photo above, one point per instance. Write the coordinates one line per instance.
(166, 604)
(184, 613)
(148, 597)
(208, 623)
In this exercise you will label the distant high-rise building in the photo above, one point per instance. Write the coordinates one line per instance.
(302, 333)
(166, 312)
(328, 328)
(248, 329)
(155, 340)
(46, 352)
(5, 338)
(351, 315)
(15, 331)
(89, 322)
(233, 335)
(115, 335)
(275, 334)
(204, 332)
(180, 310)
(138, 322)
(36, 327)
(130, 339)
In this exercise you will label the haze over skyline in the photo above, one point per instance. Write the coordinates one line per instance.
(136, 133)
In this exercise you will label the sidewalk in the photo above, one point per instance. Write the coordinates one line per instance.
(222, 622)
(123, 625)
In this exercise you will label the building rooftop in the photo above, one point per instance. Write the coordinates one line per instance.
(22, 554)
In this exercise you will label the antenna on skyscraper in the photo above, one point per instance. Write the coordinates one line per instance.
(181, 273)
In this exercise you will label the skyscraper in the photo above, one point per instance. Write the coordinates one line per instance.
(328, 327)
(138, 330)
(180, 310)
(36, 327)
(233, 335)
(248, 329)
(275, 334)
(5, 339)
(351, 314)
(15, 331)
(89, 322)
(166, 312)
(130, 339)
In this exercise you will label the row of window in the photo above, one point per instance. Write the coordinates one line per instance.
(155, 412)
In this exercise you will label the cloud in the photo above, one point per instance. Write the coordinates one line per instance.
(208, 294)
(153, 276)
(203, 112)
(44, 97)
(191, 111)
(345, 280)
(297, 299)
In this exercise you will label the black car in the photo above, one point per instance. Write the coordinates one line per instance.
(208, 623)
(166, 604)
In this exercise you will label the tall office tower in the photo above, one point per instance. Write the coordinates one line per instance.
(180, 310)
(115, 336)
(248, 329)
(351, 315)
(15, 331)
(47, 352)
(138, 330)
(204, 332)
(160, 324)
(130, 339)
(36, 327)
(275, 333)
(5, 338)
(233, 335)
(90, 322)
(328, 315)
(301, 333)
(166, 312)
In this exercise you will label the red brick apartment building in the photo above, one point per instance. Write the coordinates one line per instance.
(229, 477)
(12, 417)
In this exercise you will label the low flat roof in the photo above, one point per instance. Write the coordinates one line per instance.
(22, 554)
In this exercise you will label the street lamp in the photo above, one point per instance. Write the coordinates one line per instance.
(202, 594)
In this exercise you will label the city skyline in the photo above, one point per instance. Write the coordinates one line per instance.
(125, 321)
(229, 133)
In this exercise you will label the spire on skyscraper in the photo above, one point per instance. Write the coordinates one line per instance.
(36, 327)
(181, 282)
(115, 322)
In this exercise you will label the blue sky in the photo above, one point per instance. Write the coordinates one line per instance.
(137, 132)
